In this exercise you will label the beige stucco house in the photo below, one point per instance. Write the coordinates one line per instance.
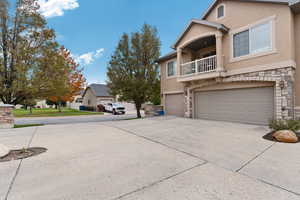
(239, 62)
(96, 94)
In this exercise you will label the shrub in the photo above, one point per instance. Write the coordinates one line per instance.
(277, 125)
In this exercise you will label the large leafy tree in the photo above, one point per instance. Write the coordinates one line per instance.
(132, 71)
(74, 80)
(51, 75)
(23, 40)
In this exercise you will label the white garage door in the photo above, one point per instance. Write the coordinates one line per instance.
(174, 104)
(251, 105)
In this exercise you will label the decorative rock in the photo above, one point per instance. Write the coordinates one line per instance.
(286, 136)
(3, 150)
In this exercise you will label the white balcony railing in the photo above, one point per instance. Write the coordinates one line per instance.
(203, 65)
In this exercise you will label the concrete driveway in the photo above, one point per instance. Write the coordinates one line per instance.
(164, 158)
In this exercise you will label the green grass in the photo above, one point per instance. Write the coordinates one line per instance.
(51, 112)
(27, 125)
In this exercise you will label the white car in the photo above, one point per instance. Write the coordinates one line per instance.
(115, 108)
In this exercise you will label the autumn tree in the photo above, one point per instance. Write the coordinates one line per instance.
(132, 71)
(73, 83)
(23, 34)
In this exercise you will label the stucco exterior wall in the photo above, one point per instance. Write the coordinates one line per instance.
(297, 47)
(169, 84)
(240, 14)
(89, 96)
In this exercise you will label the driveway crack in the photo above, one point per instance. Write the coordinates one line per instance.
(255, 157)
(19, 166)
(157, 142)
(159, 181)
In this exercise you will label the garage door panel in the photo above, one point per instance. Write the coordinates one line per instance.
(174, 105)
(252, 105)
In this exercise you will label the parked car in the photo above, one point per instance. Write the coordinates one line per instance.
(115, 108)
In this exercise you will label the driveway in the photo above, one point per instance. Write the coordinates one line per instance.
(164, 158)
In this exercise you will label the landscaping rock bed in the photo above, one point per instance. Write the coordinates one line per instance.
(22, 153)
(270, 137)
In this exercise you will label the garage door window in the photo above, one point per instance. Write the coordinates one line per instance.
(171, 68)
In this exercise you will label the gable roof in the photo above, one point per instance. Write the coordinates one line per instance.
(99, 90)
(215, 25)
(215, 2)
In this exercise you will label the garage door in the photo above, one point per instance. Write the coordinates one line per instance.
(251, 105)
(174, 105)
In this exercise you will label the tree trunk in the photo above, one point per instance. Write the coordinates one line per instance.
(30, 109)
(138, 110)
(59, 107)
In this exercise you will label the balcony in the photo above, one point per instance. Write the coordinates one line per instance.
(199, 66)
(200, 59)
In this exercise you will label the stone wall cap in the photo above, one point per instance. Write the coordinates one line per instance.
(6, 106)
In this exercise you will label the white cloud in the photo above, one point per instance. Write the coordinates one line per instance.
(89, 58)
(99, 53)
(54, 8)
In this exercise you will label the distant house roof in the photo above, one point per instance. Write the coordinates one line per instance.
(99, 90)
(213, 5)
(215, 25)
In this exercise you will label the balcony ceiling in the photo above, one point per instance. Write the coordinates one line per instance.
(202, 43)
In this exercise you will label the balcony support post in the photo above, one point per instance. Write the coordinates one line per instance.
(219, 51)
(179, 61)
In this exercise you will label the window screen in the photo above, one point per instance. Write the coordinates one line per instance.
(260, 37)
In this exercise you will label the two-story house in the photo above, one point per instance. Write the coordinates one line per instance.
(238, 62)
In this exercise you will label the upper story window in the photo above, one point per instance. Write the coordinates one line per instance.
(171, 68)
(220, 11)
(256, 39)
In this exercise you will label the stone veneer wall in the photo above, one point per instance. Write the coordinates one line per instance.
(6, 116)
(283, 79)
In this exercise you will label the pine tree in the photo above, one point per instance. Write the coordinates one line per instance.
(132, 71)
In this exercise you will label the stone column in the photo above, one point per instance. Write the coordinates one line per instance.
(219, 50)
(6, 116)
(179, 61)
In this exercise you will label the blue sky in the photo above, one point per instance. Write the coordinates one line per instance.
(91, 29)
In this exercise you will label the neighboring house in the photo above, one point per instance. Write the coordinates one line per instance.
(77, 102)
(42, 104)
(96, 94)
(236, 63)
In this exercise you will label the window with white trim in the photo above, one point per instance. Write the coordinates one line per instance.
(221, 11)
(256, 39)
(171, 68)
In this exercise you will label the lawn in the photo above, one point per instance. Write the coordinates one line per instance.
(51, 112)
(27, 125)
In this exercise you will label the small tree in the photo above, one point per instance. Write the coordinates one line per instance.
(132, 71)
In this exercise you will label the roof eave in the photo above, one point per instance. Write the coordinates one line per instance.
(295, 5)
(166, 57)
